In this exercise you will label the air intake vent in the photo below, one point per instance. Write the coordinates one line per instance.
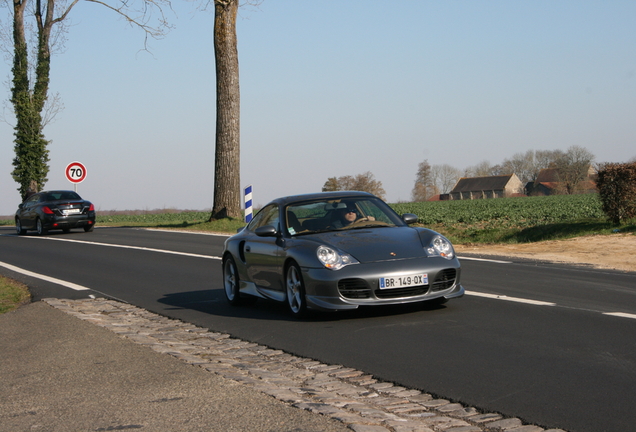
(354, 288)
(445, 279)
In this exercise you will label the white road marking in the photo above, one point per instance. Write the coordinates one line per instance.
(70, 285)
(82, 288)
(187, 232)
(620, 314)
(128, 247)
(512, 299)
(484, 259)
(540, 303)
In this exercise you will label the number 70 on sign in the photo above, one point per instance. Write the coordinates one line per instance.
(75, 172)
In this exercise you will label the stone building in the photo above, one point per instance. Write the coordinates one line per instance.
(487, 187)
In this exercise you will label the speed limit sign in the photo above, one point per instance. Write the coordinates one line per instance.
(75, 172)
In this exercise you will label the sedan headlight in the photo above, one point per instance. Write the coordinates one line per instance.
(333, 259)
(440, 246)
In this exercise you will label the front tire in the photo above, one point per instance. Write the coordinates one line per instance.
(40, 227)
(231, 282)
(295, 291)
(18, 227)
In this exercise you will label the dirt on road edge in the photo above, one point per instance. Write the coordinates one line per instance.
(616, 251)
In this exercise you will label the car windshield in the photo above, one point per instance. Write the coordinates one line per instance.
(339, 214)
(62, 195)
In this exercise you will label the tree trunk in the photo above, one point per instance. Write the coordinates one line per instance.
(227, 155)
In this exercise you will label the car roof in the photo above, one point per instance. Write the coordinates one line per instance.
(321, 196)
(56, 191)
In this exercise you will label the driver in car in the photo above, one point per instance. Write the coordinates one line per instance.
(347, 216)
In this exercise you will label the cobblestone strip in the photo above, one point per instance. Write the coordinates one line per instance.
(348, 395)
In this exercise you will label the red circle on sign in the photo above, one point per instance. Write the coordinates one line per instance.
(75, 172)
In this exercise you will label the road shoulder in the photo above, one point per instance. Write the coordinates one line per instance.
(63, 373)
(167, 392)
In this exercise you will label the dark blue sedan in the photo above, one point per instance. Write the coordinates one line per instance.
(54, 210)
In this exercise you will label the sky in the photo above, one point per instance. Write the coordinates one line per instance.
(332, 88)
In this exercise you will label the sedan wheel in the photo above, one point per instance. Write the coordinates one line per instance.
(295, 291)
(231, 282)
(18, 227)
(40, 228)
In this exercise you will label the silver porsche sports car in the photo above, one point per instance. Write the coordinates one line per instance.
(335, 251)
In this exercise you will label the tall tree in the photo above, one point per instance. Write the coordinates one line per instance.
(227, 175)
(574, 167)
(30, 81)
(424, 187)
(31, 155)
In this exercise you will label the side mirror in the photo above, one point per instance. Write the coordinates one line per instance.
(409, 218)
(20, 206)
(266, 231)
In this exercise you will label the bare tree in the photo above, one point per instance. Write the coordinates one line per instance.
(424, 187)
(331, 185)
(445, 177)
(521, 164)
(546, 158)
(573, 168)
(31, 74)
(365, 182)
(482, 169)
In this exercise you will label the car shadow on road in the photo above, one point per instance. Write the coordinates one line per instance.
(213, 302)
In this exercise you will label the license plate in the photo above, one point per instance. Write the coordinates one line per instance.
(403, 281)
(71, 211)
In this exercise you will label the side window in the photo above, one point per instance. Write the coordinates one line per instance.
(370, 208)
(33, 199)
(267, 216)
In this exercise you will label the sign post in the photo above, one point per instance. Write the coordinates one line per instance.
(248, 204)
(75, 173)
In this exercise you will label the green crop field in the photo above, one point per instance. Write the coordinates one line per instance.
(518, 212)
(154, 218)
(515, 220)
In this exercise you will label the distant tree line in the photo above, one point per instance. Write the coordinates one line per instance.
(571, 168)
(616, 182)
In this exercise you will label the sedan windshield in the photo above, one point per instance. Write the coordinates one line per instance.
(61, 195)
(340, 214)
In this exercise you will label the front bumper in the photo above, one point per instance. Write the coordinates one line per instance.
(358, 284)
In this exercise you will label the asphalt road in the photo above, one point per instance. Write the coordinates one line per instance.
(530, 340)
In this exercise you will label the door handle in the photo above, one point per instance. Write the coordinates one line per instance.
(247, 248)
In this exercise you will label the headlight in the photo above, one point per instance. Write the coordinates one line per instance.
(440, 247)
(332, 259)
